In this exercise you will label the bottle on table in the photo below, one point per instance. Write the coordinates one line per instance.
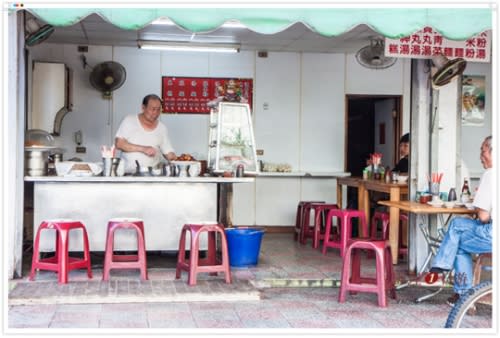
(465, 194)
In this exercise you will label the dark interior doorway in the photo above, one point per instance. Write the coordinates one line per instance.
(373, 121)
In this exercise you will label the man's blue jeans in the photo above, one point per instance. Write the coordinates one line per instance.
(464, 237)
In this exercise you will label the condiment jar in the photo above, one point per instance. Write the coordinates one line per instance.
(240, 170)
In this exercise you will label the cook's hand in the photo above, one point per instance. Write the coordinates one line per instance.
(150, 151)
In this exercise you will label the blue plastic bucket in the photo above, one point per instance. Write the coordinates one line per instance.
(244, 245)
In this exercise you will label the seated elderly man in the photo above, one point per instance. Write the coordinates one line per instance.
(466, 236)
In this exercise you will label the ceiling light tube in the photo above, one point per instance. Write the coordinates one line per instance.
(188, 46)
(228, 24)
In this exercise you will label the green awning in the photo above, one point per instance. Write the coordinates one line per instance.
(453, 23)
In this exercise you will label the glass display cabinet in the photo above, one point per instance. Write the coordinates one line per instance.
(231, 139)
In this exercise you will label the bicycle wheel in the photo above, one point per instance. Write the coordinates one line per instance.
(477, 301)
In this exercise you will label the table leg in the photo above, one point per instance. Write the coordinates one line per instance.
(225, 207)
(339, 194)
(394, 225)
(363, 205)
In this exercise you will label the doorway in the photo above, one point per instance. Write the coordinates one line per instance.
(373, 125)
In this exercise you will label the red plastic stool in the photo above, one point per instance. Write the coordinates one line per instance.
(61, 262)
(112, 261)
(196, 265)
(383, 218)
(314, 231)
(345, 217)
(300, 216)
(351, 279)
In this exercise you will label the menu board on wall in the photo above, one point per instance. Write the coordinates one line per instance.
(427, 43)
(190, 95)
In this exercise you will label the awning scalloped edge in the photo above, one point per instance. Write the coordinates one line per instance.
(453, 23)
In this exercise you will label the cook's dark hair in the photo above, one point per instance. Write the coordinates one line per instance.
(149, 97)
(405, 138)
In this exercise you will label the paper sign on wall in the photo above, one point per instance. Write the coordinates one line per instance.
(426, 43)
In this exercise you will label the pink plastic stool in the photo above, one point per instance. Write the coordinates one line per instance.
(61, 262)
(351, 279)
(299, 218)
(314, 231)
(196, 265)
(345, 217)
(112, 261)
(383, 217)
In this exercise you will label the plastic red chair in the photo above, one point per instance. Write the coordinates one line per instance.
(61, 262)
(383, 218)
(345, 217)
(124, 261)
(315, 231)
(300, 217)
(351, 279)
(194, 264)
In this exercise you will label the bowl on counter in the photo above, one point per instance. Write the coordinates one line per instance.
(449, 204)
(78, 169)
(402, 178)
(424, 198)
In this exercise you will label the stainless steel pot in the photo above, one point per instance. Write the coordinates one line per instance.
(36, 162)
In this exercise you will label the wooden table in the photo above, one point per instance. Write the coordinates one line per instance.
(355, 182)
(433, 243)
(420, 209)
(395, 190)
(364, 187)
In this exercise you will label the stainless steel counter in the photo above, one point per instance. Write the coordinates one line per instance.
(136, 179)
(164, 203)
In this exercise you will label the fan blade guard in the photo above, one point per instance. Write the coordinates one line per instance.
(447, 70)
(107, 77)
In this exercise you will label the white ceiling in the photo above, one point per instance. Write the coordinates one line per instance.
(93, 30)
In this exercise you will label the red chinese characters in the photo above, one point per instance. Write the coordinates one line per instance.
(190, 95)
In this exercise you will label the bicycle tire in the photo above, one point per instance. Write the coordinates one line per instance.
(465, 302)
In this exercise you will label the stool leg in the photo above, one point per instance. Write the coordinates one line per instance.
(326, 240)
(298, 221)
(305, 224)
(36, 254)
(63, 259)
(344, 279)
(211, 251)
(86, 252)
(141, 253)
(317, 229)
(345, 233)
(108, 255)
(225, 258)
(181, 256)
(390, 271)
(379, 256)
(193, 258)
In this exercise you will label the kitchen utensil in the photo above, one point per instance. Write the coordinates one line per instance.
(36, 161)
(240, 170)
(106, 168)
(194, 169)
(452, 195)
(115, 162)
(434, 189)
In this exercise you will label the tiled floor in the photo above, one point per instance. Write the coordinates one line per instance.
(252, 301)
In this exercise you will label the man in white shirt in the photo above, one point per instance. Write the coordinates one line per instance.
(143, 137)
(466, 236)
